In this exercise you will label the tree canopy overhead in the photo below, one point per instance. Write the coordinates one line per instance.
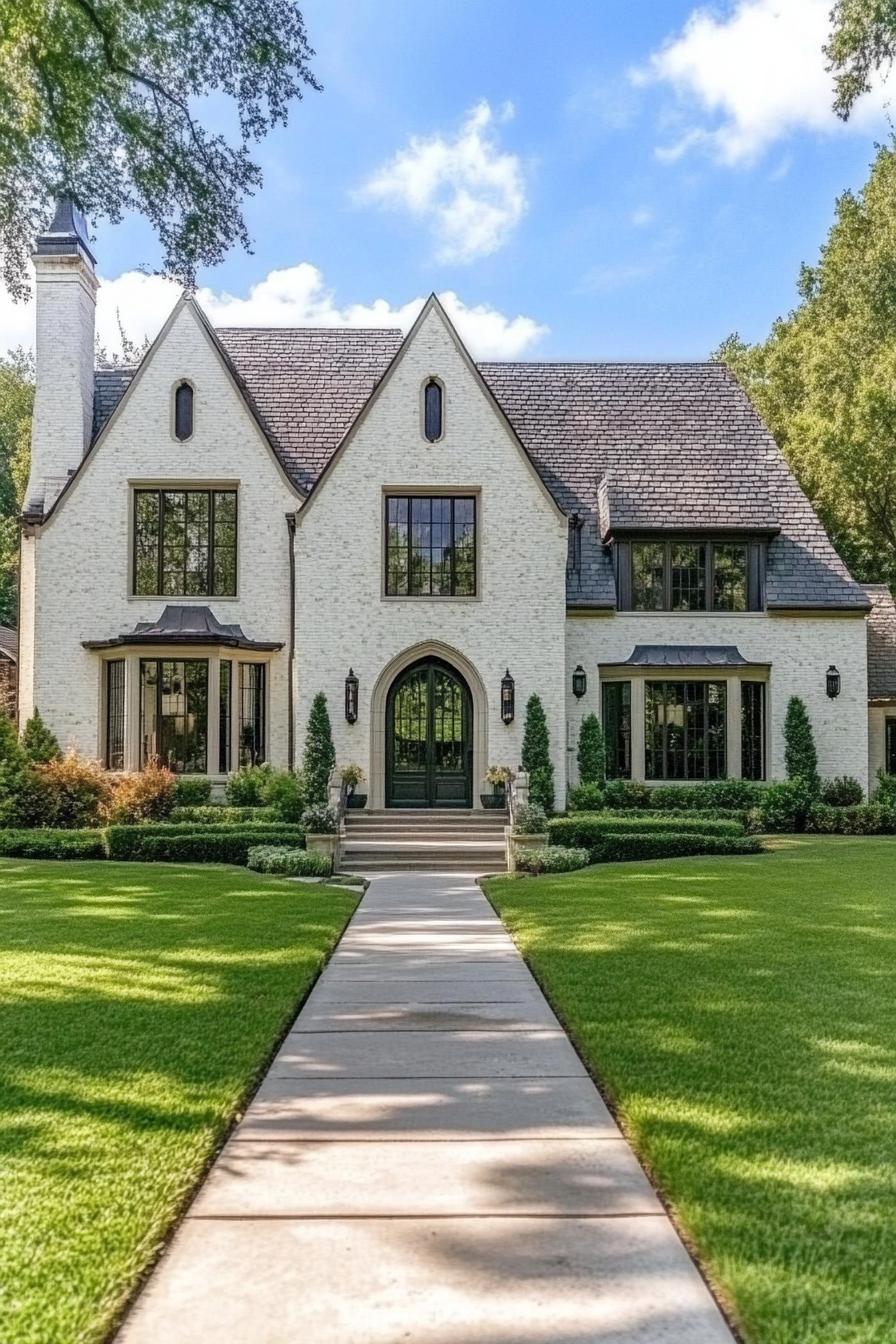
(102, 100)
(862, 41)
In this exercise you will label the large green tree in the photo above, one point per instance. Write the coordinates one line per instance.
(16, 401)
(862, 41)
(825, 379)
(106, 100)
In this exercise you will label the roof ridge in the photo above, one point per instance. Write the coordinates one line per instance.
(356, 331)
(606, 363)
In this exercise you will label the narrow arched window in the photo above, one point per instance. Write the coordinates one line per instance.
(183, 411)
(432, 410)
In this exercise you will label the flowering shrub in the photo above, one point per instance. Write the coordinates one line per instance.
(530, 820)
(289, 862)
(551, 859)
(147, 796)
(320, 821)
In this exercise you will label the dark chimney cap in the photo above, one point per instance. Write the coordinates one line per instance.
(67, 235)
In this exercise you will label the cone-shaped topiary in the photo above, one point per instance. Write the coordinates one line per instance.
(320, 756)
(800, 758)
(592, 755)
(536, 757)
(38, 743)
(16, 777)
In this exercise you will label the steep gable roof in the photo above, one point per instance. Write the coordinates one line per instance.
(632, 446)
(881, 642)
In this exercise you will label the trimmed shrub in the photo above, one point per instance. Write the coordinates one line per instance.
(284, 795)
(320, 754)
(289, 862)
(38, 743)
(21, 799)
(145, 796)
(320, 821)
(592, 754)
(551, 859)
(536, 755)
(619, 848)
(585, 798)
(586, 830)
(622, 793)
(215, 814)
(47, 844)
(786, 805)
(842, 791)
(76, 792)
(246, 788)
(800, 756)
(885, 793)
(194, 844)
(865, 819)
(192, 791)
(530, 820)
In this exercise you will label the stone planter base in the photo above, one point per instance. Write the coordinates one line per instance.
(513, 842)
(324, 844)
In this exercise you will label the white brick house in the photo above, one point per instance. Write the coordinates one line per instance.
(253, 516)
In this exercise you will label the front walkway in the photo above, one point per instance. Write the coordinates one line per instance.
(427, 1160)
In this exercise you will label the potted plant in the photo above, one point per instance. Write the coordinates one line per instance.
(499, 776)
(529, 831)
(352, 776)
(321, 827)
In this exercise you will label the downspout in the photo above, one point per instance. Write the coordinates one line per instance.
(290, 725)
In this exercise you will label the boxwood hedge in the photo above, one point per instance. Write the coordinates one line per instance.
(184, 843)
(586, 829)
(47, 844)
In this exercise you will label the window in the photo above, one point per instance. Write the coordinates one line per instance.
(224, 698)
(890, 747)
(115, 714)
(752, 729)
(689, 575)
(617, 725)
(174, 714)
(684, 729)
(430, 546)
(185, 543)
(432, 410)
(183, 411)
(252, 713)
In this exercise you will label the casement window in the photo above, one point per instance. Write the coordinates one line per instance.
(890, 746)
(433, 399)
(752, 730)
(183, 411)
(115, 702)
(617, 725)
(174, 714)
(225, 693)
(690, 575)
(252, 713)
(430, 546)
(185, 543)
(684, 730)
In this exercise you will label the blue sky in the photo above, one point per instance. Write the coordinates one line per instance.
(631, 180)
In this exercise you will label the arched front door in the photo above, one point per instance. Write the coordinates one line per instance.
(429, 738)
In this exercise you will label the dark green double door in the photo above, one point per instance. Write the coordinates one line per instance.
(429, 744)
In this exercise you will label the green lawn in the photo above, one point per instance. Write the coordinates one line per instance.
(138, 1003)
(740, 1014)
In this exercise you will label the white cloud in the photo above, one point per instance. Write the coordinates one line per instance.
(641, 217)
(470, 192)
(752, 76)
(295, 296)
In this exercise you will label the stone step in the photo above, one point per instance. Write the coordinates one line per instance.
(416, 864)
(446, 832)
(431, 813)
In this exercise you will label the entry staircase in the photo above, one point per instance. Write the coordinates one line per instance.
(424, 840)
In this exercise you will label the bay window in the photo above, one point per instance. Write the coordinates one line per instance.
(174, 714)
(617, 725)
(252, 714)
(685, 730)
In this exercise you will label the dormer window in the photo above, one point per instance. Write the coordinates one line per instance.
(183, 411)
(690, 574)
(432, 410)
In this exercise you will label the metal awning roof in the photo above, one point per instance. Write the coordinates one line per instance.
(186, 625)
(688, 655)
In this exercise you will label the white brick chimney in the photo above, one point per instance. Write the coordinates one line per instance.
(65, 292)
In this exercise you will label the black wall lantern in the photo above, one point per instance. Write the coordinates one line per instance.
(507, 697)
(579, 682)
(351, 697)
(833, 682)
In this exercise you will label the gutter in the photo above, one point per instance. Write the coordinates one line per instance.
(291, 655)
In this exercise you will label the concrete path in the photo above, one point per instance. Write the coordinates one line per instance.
(426, 1161)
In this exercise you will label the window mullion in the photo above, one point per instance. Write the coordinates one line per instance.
(452, 541)
(710, 580)
(210, 553)
(160, 513)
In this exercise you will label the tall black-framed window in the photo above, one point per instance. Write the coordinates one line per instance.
(890, 746)
(183, 411)
(115, 714)
(690, 574)
(430, 546)
(433, 397)
(685, 729)
(174, 713)
(617, 725)
(185, 543)
(225, 691)
(252, 713)
(752, 729)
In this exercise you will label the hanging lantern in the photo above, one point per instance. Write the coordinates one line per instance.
(351, 697)
(833, 682)
(579, 682)
(507, 697)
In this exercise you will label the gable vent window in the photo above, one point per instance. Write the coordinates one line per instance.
(183, 411)
(432, 410)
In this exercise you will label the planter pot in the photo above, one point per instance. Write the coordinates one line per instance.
(323, 844)
(493, 801)
(356, 800)
(515, 842)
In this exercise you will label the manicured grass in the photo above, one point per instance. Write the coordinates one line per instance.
(138, 1004)
(741, 1016)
